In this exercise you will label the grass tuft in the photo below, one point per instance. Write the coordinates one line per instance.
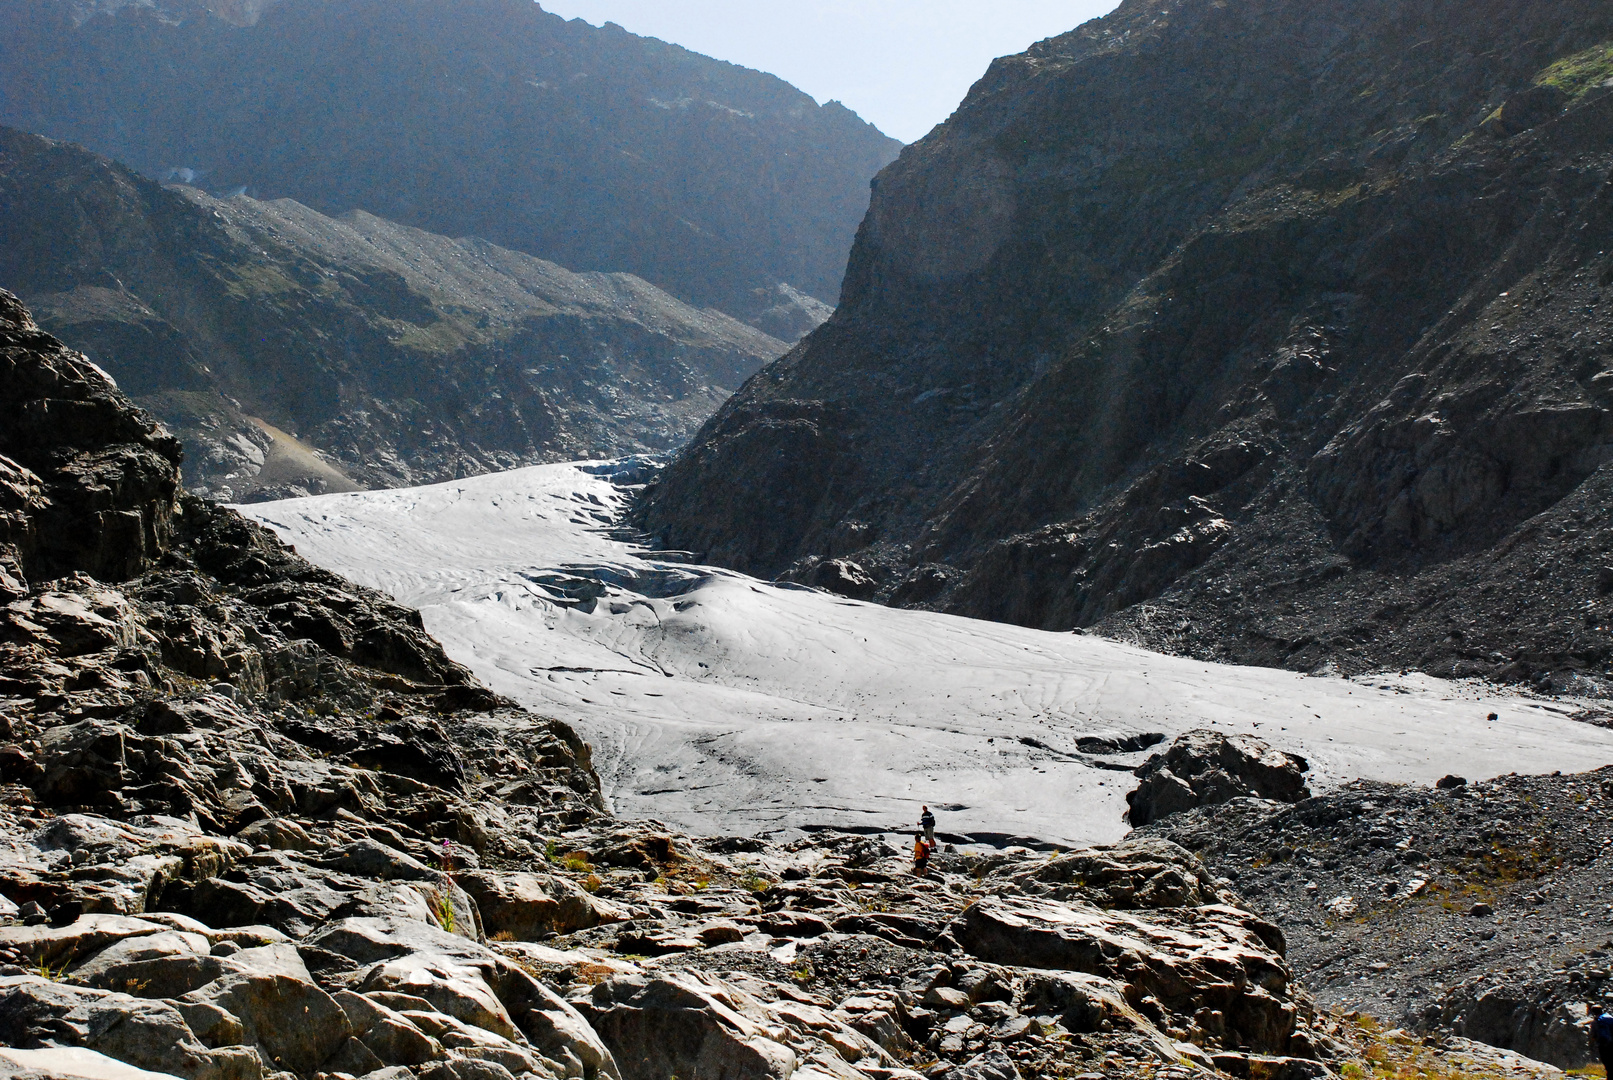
(1581, 73)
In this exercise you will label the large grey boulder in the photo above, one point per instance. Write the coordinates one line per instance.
(163, 965)
(1205, 767)
(1221, 959)
(55, 946)
(686, 1023)
(388, 1034)
(529, 907)
(1543, 1018)
(1138, 873)
(294, 1024)
(467, 981)
(35, 1012)
(992, 1065)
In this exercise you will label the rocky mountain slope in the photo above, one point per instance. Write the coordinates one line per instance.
(589, 147)
(260, 331)
(256, 824)
(1477, 909)
(1262, 330)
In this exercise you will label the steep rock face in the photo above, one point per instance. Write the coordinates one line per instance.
(162, 655)
(591, 147)
(261, 331)
(1257, 330)
(86, 482)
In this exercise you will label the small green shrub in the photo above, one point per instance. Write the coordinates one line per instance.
(442, 909)
(1581, 73)
(54, 974)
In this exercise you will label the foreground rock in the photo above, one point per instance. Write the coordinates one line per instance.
(1471, 911)
(1204, 767)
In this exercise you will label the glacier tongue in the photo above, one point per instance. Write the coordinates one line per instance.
(723, 704)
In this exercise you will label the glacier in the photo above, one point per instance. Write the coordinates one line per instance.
(722, 704)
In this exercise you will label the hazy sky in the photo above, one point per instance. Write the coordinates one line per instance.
(902, 64)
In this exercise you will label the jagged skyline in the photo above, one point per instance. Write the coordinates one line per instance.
(902, 65)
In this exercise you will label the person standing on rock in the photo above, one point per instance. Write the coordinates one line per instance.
(1602, 1035)
(921, 857)
(927, 823)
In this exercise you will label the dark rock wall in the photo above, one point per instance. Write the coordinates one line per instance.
(131, 612)
(591, 147)
(87, 482)
(1203, 316)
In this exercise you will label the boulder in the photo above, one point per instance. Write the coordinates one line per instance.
(468, 1040)
(277, 833)
(1263, 1067)
(687, 1023)
(465, 1069)
(1211, 957)
(294, 1024)
(1205, 767)
(369, 859)
(79, 617)
(844, 578)
(1140, 872)
(146, 1034)
(455, 989)
(992, 1065)
(1542, 1018)
(57, 946)
(529, 907)
(163, 965)
(404, 956)
(1082, 1002)
(389, 1035)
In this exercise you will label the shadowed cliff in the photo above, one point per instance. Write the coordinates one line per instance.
(1262, 330)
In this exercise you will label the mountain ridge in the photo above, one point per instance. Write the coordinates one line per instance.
(400, 354)
(1114, 340)
(587, 146)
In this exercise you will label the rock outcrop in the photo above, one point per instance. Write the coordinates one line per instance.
(1474, 912)
(88, 483)
(294, 353)
(1203, 767)
(1245, 330)
(198, 722)
(588, 146)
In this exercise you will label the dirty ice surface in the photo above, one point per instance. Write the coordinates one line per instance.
(724, 704)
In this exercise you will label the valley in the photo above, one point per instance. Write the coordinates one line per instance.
(584, 146)
(489, 585)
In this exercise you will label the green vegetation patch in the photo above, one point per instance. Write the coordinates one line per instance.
(1581, 73)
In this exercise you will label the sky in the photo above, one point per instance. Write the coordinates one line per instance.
(903, 65)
